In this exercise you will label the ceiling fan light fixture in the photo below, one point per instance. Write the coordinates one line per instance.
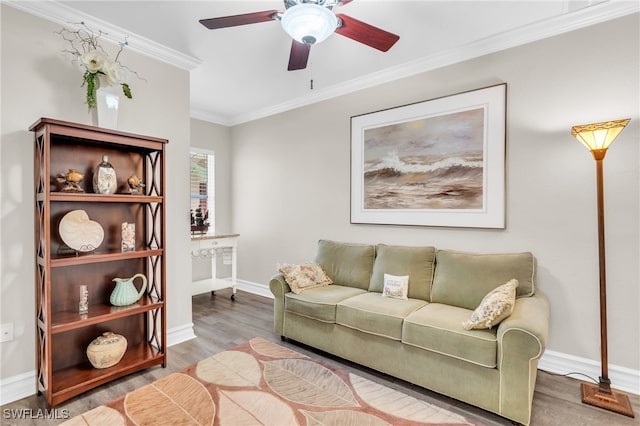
(309, 23)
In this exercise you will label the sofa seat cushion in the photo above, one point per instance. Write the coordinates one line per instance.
(374, 314)
(438, 328)
(319, 303)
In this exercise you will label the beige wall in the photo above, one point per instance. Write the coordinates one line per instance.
(38, 80)
(291, 178)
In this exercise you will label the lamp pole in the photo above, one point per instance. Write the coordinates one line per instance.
(597, 138)
(604, 382)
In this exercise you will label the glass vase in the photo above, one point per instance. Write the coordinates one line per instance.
(107, 102)
(104, 178)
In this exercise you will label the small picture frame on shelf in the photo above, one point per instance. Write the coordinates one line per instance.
(128, 236)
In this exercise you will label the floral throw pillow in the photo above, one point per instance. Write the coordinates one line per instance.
(495, 306)
(304, 277)
(395, 286)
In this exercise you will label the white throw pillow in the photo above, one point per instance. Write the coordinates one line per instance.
(395, 286)
(495, 306)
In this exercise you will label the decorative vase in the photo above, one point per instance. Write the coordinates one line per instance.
(106, 350)
(107, 102)
(104, 178)
(125, 292)
(83, 305)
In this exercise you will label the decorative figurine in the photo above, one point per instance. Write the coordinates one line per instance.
(199, 222)
(71, 181)
(135, 185)
(200, 219)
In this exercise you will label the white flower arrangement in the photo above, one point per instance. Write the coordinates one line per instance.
(99, 70)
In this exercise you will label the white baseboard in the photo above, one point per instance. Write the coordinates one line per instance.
(622, 378)
(255, 288)
(248, 286)
(180, 334)
(17, 387)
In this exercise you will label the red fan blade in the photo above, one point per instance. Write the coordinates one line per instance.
(235, 20)
(299, 55)
(365, 33)
(346, 2)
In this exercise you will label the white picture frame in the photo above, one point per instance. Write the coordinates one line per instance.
(439, 162)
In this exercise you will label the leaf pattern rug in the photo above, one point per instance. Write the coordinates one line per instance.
(262, 383)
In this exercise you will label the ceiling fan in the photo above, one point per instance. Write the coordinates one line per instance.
(309, 22)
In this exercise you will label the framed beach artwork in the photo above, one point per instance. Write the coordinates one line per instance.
(439, 162)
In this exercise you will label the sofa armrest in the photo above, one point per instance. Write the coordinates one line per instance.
(522, 338)
(278, 285)
(279, 288)
(530, 318)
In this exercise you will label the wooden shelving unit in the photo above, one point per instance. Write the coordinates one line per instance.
(63, 370)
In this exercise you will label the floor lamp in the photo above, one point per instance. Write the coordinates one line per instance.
(597, 137)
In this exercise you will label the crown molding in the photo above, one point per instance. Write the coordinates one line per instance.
(71, 18)
(581, 18)
(200, 114)
(572, 20)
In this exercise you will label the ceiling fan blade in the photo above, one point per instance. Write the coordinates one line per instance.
(235, 20)
(299, 55)
(365, 33)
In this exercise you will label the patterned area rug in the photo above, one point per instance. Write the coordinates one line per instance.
(262, 383)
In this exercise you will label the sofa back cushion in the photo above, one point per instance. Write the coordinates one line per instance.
(463, 279)
(346, 264)
(416, 262)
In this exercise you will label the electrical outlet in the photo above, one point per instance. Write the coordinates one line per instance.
(6, 332)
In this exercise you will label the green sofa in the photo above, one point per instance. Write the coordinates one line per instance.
(421, 339)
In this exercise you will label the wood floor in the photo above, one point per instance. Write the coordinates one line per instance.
(221, 324)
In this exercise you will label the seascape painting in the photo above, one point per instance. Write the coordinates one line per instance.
(439, 162)
(429, 163)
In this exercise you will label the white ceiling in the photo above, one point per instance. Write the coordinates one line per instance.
(240, 73)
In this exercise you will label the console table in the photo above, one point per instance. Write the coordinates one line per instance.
(209, 247)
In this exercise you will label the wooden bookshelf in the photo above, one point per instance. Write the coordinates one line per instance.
(63, 334)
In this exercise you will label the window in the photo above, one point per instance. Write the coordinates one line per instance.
(202, 190)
